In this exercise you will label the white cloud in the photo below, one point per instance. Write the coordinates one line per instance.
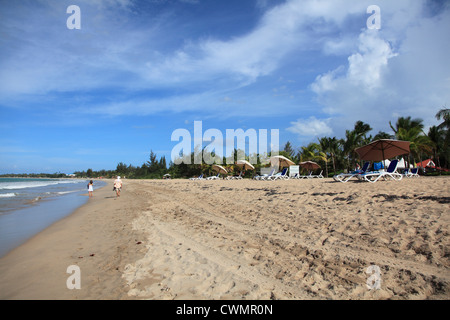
(401, 68)
(252, 55)
(311, 127)
(102, 53)
(327, 82)
(340, 46)
(365, 67)
(401, 71)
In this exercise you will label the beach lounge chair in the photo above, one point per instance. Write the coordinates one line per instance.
(217, 177)
(310, 175)
(319, 176)
(268, 176)
(391, 172)
(200, 177)
(280, 175)
(406, 172)
(305, 176)
(411, 173)
(415, 173)
(239, 177)
(344, 177)
(264, 176)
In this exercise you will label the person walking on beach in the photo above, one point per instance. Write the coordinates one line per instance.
(118, 186)
(91, 188)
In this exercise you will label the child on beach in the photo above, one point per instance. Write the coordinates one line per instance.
(91, 188)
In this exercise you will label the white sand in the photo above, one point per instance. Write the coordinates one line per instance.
(295, 239)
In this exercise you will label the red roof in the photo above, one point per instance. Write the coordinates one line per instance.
(427, 163)
(430, 164)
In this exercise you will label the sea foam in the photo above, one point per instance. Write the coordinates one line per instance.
(32, 184)
(7, 195)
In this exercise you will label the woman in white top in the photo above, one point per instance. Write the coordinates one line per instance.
(118, 186)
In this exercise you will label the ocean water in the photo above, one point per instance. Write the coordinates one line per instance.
(27, 206)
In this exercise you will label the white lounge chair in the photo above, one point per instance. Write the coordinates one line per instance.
(391, 172)
(320, 176)
(264, 176)
(200, 177)
(268, 176)
(414, 173)
(280, 175)
(217, 177)
(239, 177)
(305, 176)
(344, 177)
(406, 172)
(411, 173)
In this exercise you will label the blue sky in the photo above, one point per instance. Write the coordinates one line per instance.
(138, 70)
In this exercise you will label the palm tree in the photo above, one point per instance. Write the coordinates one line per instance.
(362, 128)
(411, 130)
(444, 114)
(334, 148)
(406, 123)
(289, 149)
(354, 139)
(312, 152)
(330, 146)
(437, 137)
(324, 147)
(382, 135)
(358, 138)
(419, 142)
(350, 144)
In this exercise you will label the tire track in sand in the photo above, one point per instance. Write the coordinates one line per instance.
(202, 214)
(370, 255)
(229, 263)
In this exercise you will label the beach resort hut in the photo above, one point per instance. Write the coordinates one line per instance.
(427, 164)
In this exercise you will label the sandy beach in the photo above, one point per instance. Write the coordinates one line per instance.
(294, 239)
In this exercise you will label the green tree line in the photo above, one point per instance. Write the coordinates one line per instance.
(335, 155)
(332, 154)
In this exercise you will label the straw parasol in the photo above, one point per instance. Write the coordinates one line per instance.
(245, 165)
(219, 169)
(309, 165)
(281, 161)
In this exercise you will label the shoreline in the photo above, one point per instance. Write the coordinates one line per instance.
(243, 240)
(37, 269)
(21, 222)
